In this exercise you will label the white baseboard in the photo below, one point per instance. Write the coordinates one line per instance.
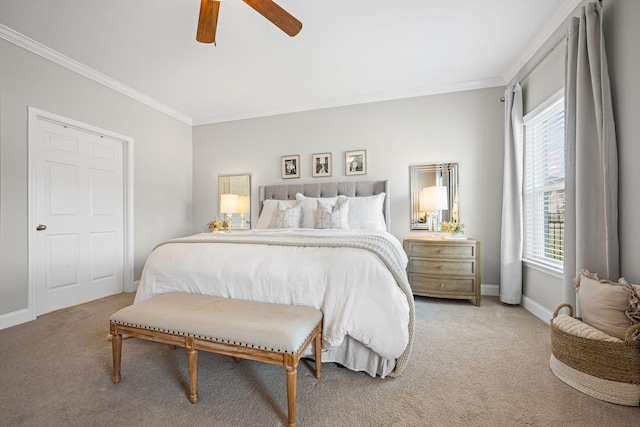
(25, 315)
(542, 313)
(132, 287)
(15, 318)
(490, 290)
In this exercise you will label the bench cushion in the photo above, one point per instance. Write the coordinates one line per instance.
(274, 327)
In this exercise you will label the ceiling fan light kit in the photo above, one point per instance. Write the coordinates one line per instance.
(208, 20)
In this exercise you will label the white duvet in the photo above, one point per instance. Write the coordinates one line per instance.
(358, 293)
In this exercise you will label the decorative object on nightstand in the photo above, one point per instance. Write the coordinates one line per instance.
(215, 225)
(455, 229)
(444, 268)
(433, 200)
(229, 206)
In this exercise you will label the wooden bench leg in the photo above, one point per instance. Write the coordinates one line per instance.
(291, 366)
(317, 346)
(116, 350)
(193, 370)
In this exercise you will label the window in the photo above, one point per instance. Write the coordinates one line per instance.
(544, 183)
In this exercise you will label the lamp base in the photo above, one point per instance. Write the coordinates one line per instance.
(432, 221)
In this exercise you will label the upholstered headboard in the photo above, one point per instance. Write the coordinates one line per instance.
(329, 189)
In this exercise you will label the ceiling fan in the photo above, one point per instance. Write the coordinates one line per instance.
(208, 20)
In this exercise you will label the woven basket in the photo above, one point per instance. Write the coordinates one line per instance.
(617, 362)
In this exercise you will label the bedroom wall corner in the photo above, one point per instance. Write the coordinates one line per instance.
(162, 160)
(621, 33)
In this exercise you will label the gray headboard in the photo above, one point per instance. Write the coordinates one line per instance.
(328, 189)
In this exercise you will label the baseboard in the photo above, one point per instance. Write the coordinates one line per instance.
(490, 290)
(132, 287)
(25, 315)
(541, 312)
(15, 318)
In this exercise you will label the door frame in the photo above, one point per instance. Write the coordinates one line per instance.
(36, 114)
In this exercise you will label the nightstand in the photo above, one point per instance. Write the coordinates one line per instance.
(444, 268)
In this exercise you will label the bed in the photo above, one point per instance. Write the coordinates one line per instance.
(322, 245)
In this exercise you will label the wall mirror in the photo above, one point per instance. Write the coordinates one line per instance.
(434, 195)
(234, 200)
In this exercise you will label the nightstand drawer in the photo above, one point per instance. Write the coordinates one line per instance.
(419, 249)
(441, 285)
(442, 266)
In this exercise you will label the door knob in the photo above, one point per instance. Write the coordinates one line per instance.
(41, 227)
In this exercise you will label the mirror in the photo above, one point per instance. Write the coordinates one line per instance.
(434, 195)
(234, 200)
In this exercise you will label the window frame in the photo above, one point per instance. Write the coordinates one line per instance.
(542, 263)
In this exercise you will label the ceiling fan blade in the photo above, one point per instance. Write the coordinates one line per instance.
(277, 15)
(208, 21)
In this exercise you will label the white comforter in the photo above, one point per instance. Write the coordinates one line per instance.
(360, 296)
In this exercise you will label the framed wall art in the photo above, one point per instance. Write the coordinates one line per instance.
(355, 162)
(321, 165)
(290, 166)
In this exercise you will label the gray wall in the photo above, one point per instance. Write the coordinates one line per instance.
(621, 38)
(464, 127)
(162, 159)
(622, 34)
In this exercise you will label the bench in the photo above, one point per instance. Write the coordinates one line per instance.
(265, 332)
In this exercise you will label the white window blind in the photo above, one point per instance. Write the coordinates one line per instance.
(544, 183)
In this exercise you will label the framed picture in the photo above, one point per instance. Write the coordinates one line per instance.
(355, 162)
(321, 164)
(290, 166)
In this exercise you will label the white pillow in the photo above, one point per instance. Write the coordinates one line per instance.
(268, 210)
(329, 216)
(366, 212)
(310, 207)
(287, 216)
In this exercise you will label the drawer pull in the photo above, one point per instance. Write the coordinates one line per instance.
(442, 285)
(441, 251)
(441, 267)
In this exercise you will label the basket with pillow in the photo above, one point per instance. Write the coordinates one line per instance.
(600, 354)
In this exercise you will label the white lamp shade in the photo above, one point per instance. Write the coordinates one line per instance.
(229, 203)
(433, 199)
(243, 204)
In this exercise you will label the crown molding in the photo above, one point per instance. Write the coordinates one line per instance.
(343, 102)
(39, 49)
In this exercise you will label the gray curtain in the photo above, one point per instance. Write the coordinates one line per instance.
(512, 220)
(591, 155)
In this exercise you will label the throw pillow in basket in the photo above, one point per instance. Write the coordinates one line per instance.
(611, 307)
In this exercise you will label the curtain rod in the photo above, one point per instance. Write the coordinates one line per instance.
(554, 47)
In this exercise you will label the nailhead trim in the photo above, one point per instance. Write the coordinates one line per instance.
(150, 328)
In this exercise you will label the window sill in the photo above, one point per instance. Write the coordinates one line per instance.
(547, 269)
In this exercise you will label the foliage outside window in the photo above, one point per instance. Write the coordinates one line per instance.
(544, 140)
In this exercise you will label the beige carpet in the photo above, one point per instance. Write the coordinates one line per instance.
(471, 366)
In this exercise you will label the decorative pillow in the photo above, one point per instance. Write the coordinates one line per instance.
(366, 212)
(269, 208)
(328, 216)
(310, 207)
(286, 216)
(608, 306)
(575, 327)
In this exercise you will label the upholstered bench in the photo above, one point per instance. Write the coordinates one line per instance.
(265, 332)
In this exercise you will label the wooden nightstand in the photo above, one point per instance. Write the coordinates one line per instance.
(444, 268)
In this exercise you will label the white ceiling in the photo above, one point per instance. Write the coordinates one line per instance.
(348, 52)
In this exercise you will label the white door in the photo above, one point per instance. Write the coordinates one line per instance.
(79, 216)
